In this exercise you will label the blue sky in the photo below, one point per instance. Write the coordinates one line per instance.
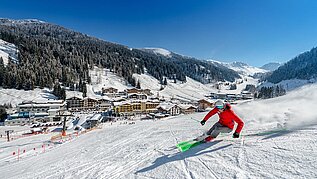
(255, 32)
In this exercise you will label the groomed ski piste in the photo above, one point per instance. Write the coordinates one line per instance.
(279, 140)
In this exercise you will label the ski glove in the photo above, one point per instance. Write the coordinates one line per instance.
(236, 135)
(202, 122)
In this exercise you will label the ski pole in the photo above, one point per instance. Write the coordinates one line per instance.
(194, 119)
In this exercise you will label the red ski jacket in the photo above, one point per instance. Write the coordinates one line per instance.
(226, 117)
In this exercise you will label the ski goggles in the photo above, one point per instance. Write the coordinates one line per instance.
(219, 107)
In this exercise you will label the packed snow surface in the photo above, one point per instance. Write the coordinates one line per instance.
(278, 141)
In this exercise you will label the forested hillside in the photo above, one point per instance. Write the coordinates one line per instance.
(49, 53)
(304, 66)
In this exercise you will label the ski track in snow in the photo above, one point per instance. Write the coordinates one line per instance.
(147, 150)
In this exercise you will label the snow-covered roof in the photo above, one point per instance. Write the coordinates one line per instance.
(186, 106)
(95, 117)
(121, 103)
(53, 110)
(41, 114)
(166, 106)
(77, 94)
(40, 105)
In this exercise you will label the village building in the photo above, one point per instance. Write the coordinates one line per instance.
(31, 111)
(104, 104)
(74, 103)
(41, 106)
(21, 118)
(203, 104)
(187, 109)
(171, 109)
(137, 96)
(88, 104)
(123, 107)
(246, 95)
(135, 107)
(109, 90)
(140, 91)
(113, 92)
(134, 90)
(46, 110)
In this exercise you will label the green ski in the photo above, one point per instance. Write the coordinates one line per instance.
(186, 145)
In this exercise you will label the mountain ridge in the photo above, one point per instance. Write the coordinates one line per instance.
(302, 67)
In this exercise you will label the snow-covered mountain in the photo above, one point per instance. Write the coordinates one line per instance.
(280, 143)
(5, 21)
(295, 73)
(240, 67)
(158, 51)
(303, 66)
(8, 52)
(271, 66)
(43, 41)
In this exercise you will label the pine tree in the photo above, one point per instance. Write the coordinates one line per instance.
(3, 113)
(138, 86)
(165, 81)
(59, 92)
(2, 71)
(84, 88)
(63, 94)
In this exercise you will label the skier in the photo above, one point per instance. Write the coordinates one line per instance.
(225, 123)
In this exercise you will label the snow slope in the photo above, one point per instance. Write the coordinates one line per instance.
(7, 51)
(191, 90)
(14, 97)
(244, 68)
(271, 66)
(101, 77)
(146, 149)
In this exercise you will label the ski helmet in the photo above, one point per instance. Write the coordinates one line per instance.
(219, 104)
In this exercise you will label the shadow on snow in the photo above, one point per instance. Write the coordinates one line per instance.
(271, 133)
(195, 151)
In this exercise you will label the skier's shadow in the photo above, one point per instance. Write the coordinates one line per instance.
(195, 151)
(272, 133)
